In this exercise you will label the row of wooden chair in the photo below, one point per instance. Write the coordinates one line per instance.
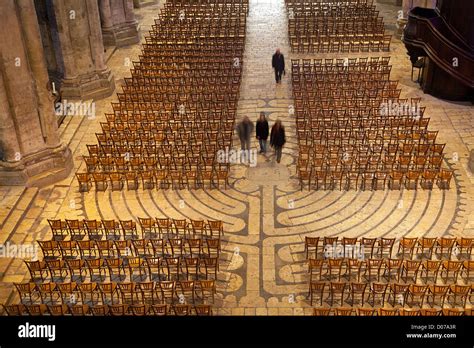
(159, 179)
(408, 271)
(71, 293)
(336, 28)
(409, 312)
(443, 248)
(166, 228)
(360, 179)
(346, 44)
(97, 247)
(377, 294)
(107, 310)
(170, 268)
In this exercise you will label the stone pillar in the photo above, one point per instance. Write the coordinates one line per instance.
(86, 75)
(119, 26)
(30, 149)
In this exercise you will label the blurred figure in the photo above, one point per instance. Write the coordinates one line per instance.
(278, 139)
(278, 63)
(244, 131)
(262, 132)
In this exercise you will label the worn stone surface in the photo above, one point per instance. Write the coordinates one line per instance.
(266, 221)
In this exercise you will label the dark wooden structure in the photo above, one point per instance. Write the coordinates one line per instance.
(444, 38)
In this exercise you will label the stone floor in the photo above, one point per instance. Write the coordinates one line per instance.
(266, 215)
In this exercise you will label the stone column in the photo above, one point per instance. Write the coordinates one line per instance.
(30, 148)
(86, 75)
(119, 26)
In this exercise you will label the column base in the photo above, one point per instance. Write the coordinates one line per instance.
(121, 35)
(37, 170)
(98, 85)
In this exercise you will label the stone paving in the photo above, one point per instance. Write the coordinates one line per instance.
(266, 215)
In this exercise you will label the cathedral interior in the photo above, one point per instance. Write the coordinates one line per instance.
(125, 188)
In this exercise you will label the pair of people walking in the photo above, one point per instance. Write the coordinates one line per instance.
(277, 135)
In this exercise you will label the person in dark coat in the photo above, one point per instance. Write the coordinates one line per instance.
(244, 131)
(262, 132)
(278, 139)
(278, 63)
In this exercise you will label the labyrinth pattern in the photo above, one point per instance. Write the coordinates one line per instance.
(266, 215)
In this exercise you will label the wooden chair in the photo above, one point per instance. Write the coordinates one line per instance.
(430, 312)
(444, 247)
(355, 290)
(203, 310)
(408, 312)
(316, 289)
(159, 309)
(392, 268)
(407, 247)
(460, 292)
(424, 247)
(388, 312)
(373, 268)
(336, 289)
(385, 245)
(28, 292)
(450, 269)
(416, 295)
(444, 179)
(398, 293)
(437, 292)
(429, 269)
(377, 291)
(85, 181)
(322, 312)
(366, 312)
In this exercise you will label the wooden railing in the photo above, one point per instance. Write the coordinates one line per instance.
(427, 29)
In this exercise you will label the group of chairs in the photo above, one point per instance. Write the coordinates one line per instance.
(178, 107)
(366, 139)
(151, 228)
(107, 310)
(359, 271)
(375, 294)
(442, 248)
(407, 312)
(197, 177)
(185, 297)
(336, 27)
(156, 266)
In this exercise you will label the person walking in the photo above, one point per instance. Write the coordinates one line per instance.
(278, 63)
(244, 131)
(262, 132)
(278, 139)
